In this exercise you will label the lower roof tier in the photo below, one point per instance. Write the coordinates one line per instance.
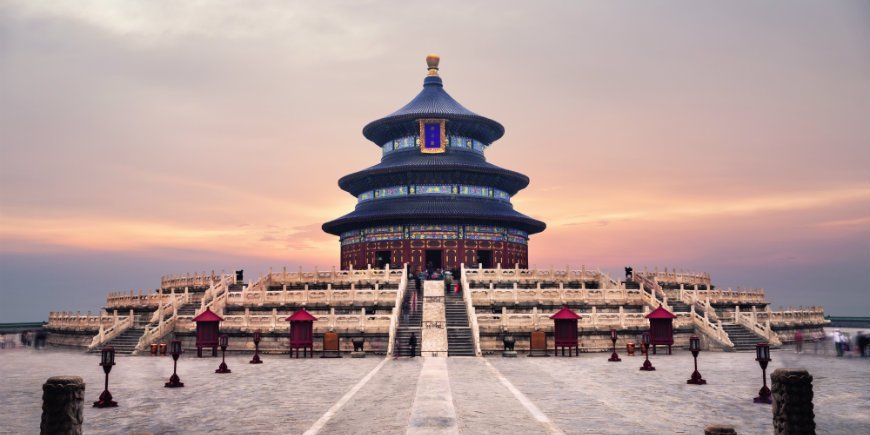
(433, 210)
(410, 167)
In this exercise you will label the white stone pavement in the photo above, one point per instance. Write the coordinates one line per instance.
(586, 394)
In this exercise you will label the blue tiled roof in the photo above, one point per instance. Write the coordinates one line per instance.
(406, 163)
(434, 210)
(433, 102)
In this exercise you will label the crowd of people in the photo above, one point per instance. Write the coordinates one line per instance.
(22, 339)
(436, 273)
(842, 343)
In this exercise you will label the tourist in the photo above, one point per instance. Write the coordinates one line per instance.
(412, 344)
(838, 342)
(861, 342)
(421, 278)
(41, 338)
(448, 281)
(798, 342)
(2, 341)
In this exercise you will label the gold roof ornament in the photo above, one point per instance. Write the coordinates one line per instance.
(432, 61)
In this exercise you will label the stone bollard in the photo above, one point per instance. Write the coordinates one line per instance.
(793, 402)
(63, 399)
(719, 429)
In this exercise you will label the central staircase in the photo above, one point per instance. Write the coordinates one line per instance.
(743, 339)
(410, 321)
(459, 340)
(125, 343)
(188, 309)
(682, 307)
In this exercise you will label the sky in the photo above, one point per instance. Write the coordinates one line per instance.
(146, 138)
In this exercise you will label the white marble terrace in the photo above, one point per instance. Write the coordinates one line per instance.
(263, 303)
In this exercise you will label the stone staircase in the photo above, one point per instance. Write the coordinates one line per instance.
(744, 340)
(679, 306)
(459, 339)
(188, 309)
(410, 321)
(125, 343)
(682, 307)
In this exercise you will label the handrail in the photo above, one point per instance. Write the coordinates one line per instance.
(749, 320)
(397, 310)
(712, 330)
(334, 276)
(690, 298)
(469, 307)
(121, 299)
(656, 290)
(215, 297)
(153, 333)
(702, 278)
(104, 335)
(519, 275)
(188, 280)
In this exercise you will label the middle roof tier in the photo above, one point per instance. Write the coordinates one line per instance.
(413, 167)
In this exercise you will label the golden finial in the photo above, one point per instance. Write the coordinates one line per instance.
(432, 61)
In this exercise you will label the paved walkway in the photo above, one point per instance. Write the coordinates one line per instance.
(431, 395)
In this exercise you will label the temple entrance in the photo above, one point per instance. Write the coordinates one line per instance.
(433, 259)
(484, 258)
(382, 259)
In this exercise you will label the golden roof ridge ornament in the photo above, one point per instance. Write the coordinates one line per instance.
(432, 61)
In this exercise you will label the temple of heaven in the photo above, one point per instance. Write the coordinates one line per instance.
(433, 201)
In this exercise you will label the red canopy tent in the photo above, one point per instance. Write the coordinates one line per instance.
(207, 331)
(661, 328)
(301, 332)
(565, 330)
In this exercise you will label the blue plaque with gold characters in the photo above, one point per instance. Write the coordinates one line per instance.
(433, 137)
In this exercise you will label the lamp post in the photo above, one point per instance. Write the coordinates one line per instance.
(107, 360)
(175, 351)
(614, 357)
(695, 347)
(762, 355)
(256, 359)
(223, 341)
(647, 366)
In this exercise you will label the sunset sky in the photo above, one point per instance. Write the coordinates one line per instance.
(139, 139)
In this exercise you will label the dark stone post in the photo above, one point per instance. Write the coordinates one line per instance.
(63, 399)
(793, 402)
(719, 429)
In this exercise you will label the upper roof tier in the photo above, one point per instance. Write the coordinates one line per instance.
(433, 102)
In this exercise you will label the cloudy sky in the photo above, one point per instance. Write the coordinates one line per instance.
(139, 139)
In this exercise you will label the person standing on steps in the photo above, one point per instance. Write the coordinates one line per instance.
(448, 281)
(798, 342)
(412, 344)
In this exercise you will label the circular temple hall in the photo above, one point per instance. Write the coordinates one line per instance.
(433, 201)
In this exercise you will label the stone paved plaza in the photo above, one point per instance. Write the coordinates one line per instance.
(585, 394)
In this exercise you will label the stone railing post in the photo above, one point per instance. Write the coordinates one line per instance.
(274, 323)
(792, 402)
(63, 399)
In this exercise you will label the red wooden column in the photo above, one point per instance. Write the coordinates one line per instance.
(565, 331)
(301, 332)
(661, 328)
(207, 331)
